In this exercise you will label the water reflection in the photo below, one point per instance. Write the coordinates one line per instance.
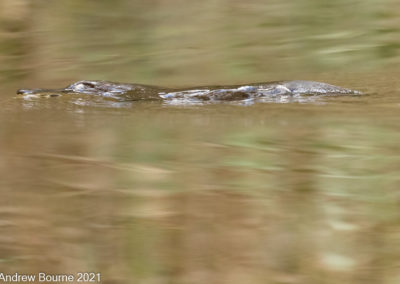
(160, 193)
(187, 43)
(189, 197)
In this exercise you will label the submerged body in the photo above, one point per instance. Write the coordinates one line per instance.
(124, 92)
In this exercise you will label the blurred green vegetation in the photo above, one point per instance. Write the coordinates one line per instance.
(154, 194)
(190, 42)
(182, 196)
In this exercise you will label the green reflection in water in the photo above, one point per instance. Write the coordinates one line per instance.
(213, 194)
(219, 193)
(188, 42)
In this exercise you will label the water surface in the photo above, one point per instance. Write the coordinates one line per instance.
(224, 193)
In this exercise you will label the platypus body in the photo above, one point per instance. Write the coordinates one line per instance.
(135, 92)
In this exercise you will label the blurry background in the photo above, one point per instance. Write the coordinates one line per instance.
(154, 194)
(194, 42)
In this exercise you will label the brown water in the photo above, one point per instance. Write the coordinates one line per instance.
(153, 193)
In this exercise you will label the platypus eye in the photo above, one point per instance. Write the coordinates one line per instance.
(82, 86)
(24, 92)
(88, 84)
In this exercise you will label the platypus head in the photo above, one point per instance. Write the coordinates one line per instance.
(96, 87)
(103, 88)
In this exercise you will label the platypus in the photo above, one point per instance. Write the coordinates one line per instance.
(135, 92)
